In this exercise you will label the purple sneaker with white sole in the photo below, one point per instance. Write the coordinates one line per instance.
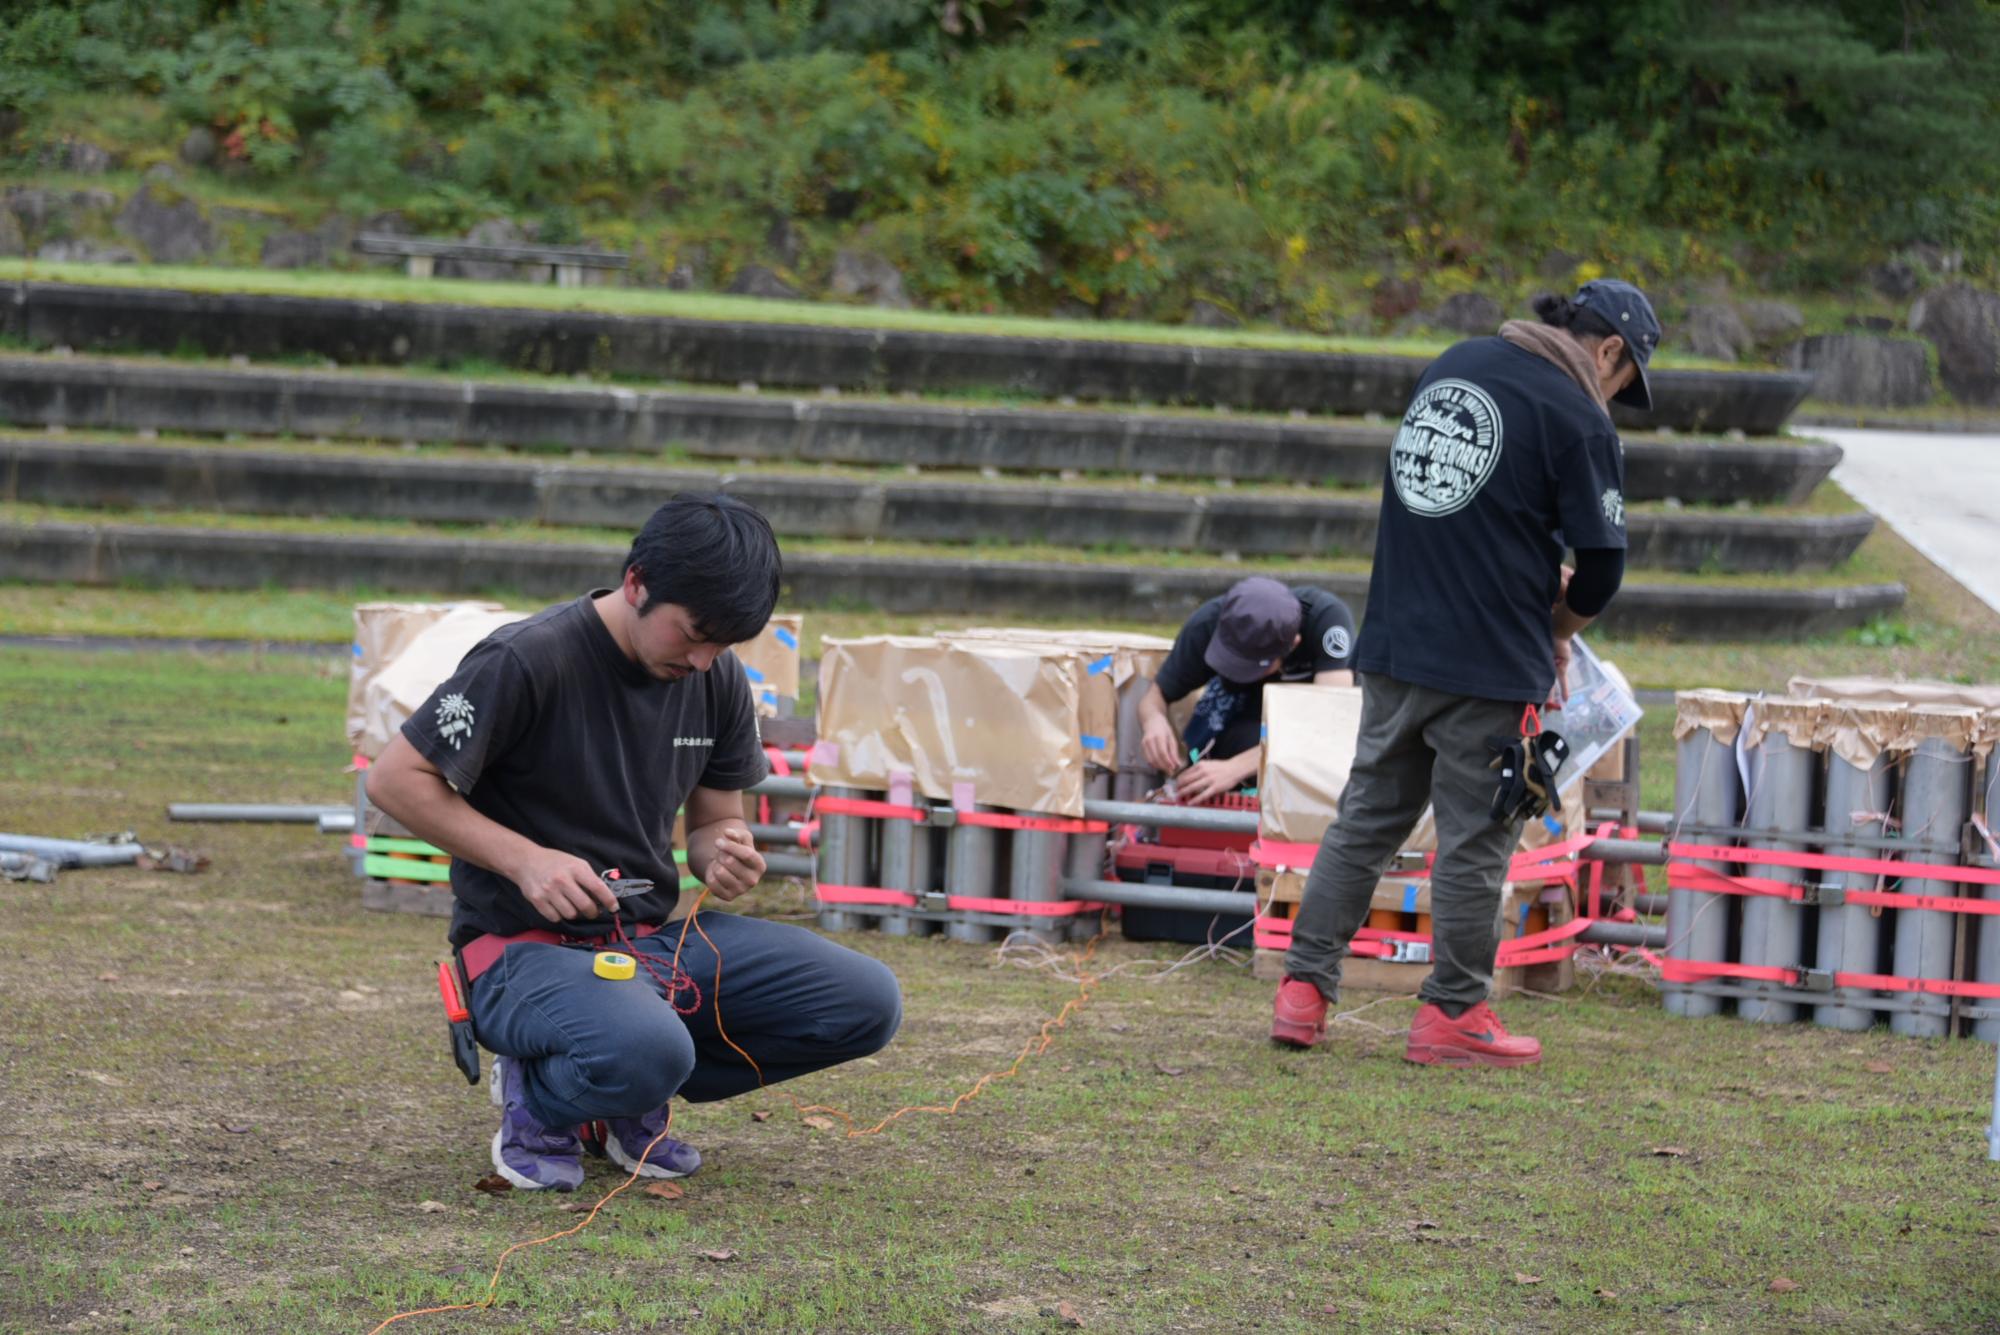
(626, 1138)
(526, 1153)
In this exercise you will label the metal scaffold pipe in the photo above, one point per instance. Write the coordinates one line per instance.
(788, 864)
(1139, 895)
(1178, 818)
(781, 834)
(336, 822)
(263, 812)
(784, 785)
(70, 852)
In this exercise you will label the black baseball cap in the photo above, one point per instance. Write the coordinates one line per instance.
(1259, 621)
(1625, 308)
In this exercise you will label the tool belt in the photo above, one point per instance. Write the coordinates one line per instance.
(482, 952)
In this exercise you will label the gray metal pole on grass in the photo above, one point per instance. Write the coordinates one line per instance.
(71, 852)
(1986, 963)
(259, 812)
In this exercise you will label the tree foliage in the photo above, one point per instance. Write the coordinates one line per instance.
(1023, 151)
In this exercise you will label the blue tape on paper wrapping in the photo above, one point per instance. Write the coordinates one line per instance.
(1091, 743)
(752, 673)
(1101, 665)
(770, 697)
(1551, 824)
(1263, 732)
(357, 650)
(1522, 929)
(785, 637)
(1409, 896)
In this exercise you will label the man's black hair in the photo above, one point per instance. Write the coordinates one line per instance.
(1564, 313)
(715, 556)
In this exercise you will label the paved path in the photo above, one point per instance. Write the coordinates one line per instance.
(1940, 492)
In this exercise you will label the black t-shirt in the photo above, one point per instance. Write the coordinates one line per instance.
(1326, 642)
(1501, 463)
(550, 730)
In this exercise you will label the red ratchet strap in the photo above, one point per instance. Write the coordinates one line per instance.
(1687, 876)
(1545, 947)
(808, 831)
(1771, 857)
(869, 894)
(1007, 820)
(867, 806)
(779, 766)
(1695, 971)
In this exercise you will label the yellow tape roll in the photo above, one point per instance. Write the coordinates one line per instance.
(613, 965)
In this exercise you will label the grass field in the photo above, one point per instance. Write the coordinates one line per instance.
(227, 1104)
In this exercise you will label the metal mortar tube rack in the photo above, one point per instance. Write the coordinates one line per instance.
(906, 865)
(1850, 935)
(1706, 792)
(1986, 960)
(1135, 777)
(1084, 854)
(973, 864)
(838, 836)
(1936, 794)
(1179, 818)
(1035, 875)
(1780, 798)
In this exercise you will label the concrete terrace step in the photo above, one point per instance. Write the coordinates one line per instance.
(380, 485)
(801, 356)
(937, 581)
(128, 395)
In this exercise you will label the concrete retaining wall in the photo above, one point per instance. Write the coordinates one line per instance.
(237, 481)
(116, 553)
(800, 356)
(89, 393)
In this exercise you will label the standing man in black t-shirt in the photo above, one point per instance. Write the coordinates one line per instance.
(1505, 457)
(555, 757)
(1258, 632)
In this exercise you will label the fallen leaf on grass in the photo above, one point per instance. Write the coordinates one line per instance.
(666, 1191)
(1329, 1202)
(721, 1254)
(432, 1207)
(1783, 1285)
(1606, 1294)
(1881, 1068)
(1423, 1223)
(233, 1128)
(152, 1184)
(1165, 1069)
(820, 1123)
(1667, 1152)
(760, 1117)
(577, 1207)
(493, 1185)
(1520, 1278)
(1068, 1315)
(107, 978)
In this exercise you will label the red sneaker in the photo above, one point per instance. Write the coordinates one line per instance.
(1476, 1038)
(1298, 1017)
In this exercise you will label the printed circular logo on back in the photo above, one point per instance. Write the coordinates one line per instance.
(1447, 448)
(1335, 642)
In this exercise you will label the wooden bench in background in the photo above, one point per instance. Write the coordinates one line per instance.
(422, 253)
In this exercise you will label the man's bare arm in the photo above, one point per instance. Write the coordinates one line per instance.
(560, 885)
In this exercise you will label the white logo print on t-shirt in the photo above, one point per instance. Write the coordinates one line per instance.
(1447, 448)
(1336, 642)
(1614, 507)
(454, 716)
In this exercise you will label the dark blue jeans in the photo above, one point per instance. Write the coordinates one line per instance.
(592, 1047)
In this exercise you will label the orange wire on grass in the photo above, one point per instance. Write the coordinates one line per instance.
(1035, 1047)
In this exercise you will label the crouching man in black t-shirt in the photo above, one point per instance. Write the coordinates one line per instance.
(1257, 633)
(1506, 456)
(558, 752)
